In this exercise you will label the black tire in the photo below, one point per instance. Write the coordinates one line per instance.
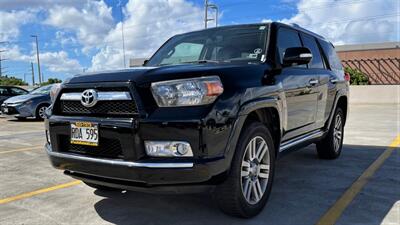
(38, 111)
(229, 195)
(327, 148)
(101, 187)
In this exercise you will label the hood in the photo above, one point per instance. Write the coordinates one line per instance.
(142, 75)
(21, 98)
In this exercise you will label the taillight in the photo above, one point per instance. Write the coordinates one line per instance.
(347, 76)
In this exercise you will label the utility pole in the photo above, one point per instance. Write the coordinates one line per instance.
(37, 56)
(122, 32)
(1, 60)
(205, 13)
(33, 74)
(210, 6)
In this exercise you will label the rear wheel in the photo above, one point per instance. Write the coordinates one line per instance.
(331, 146)
(247, 188)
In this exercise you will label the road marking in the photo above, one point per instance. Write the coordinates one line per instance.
(334, 213)
(40, 191)
(22, 149)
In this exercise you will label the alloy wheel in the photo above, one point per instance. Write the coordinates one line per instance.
(41, 112)
(255, 170)
(337, 133)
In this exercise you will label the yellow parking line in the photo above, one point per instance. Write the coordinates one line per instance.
(334, 213)
(22, 149)
(37, 192)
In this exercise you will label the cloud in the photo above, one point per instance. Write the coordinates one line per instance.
(57, 61)
(11, 21)
(60, 62)
(348, 22)
(147, 24)
(91, 21)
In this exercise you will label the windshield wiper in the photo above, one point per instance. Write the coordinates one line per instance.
(202, 61)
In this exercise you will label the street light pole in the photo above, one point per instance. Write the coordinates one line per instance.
(38, 59)
(33, 74)
(122, 33)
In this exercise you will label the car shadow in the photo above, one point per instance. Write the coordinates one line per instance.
(305, 187)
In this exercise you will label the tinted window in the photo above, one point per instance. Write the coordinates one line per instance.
(228, 44)
(18, 91)
(287, 39)
(309, 42)
(333, 59)
(183, 52)
(3, 91)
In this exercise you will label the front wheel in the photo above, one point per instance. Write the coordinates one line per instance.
(41, 112)
(247, 188)
(331, 146)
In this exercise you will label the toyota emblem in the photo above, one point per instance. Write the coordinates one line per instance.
(89, 98)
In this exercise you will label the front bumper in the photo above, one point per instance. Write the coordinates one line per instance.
(135, 170)
(134, 175)
(17, 110)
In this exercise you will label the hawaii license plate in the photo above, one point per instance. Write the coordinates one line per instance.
(84, 133)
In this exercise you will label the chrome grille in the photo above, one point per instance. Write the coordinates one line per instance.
(109, 103)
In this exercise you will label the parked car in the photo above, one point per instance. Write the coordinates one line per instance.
(210, 110)
(32, 104)
(10, 91)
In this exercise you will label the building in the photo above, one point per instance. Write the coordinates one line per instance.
(380, 61)
(136, 62)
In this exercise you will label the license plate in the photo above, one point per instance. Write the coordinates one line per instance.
(5, 110)
(84, 133)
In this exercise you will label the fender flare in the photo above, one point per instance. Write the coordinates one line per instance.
(340, 93)
(244, 110)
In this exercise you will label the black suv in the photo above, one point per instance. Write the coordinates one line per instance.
(210, 110)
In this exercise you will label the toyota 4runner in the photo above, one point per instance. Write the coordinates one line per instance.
(210, 110)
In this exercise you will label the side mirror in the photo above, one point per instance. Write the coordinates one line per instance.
(144, 62)
(296, 56)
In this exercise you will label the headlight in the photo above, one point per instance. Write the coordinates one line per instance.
(187, 92)
(54, 91)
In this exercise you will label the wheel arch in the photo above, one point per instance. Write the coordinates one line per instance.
(39, 105)
(341, 101)
(268, 112)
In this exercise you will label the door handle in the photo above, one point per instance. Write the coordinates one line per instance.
(313, 82)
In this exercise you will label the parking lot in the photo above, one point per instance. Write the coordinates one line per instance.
(361, 187)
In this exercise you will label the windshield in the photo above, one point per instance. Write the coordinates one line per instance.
(42, 90)
(239, 43)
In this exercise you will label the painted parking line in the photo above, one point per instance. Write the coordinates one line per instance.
(334, 213)
(40, 191)
(22, 149)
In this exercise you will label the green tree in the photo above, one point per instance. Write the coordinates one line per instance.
(51, 81)
(357, 77)
(5, 80)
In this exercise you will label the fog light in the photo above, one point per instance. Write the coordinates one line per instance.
(168, 149)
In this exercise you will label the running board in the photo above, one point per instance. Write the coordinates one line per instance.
(315, 134)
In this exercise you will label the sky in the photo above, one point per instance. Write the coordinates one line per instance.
(76, 36)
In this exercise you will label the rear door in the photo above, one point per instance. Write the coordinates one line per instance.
(319, 70)
(298, 83)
